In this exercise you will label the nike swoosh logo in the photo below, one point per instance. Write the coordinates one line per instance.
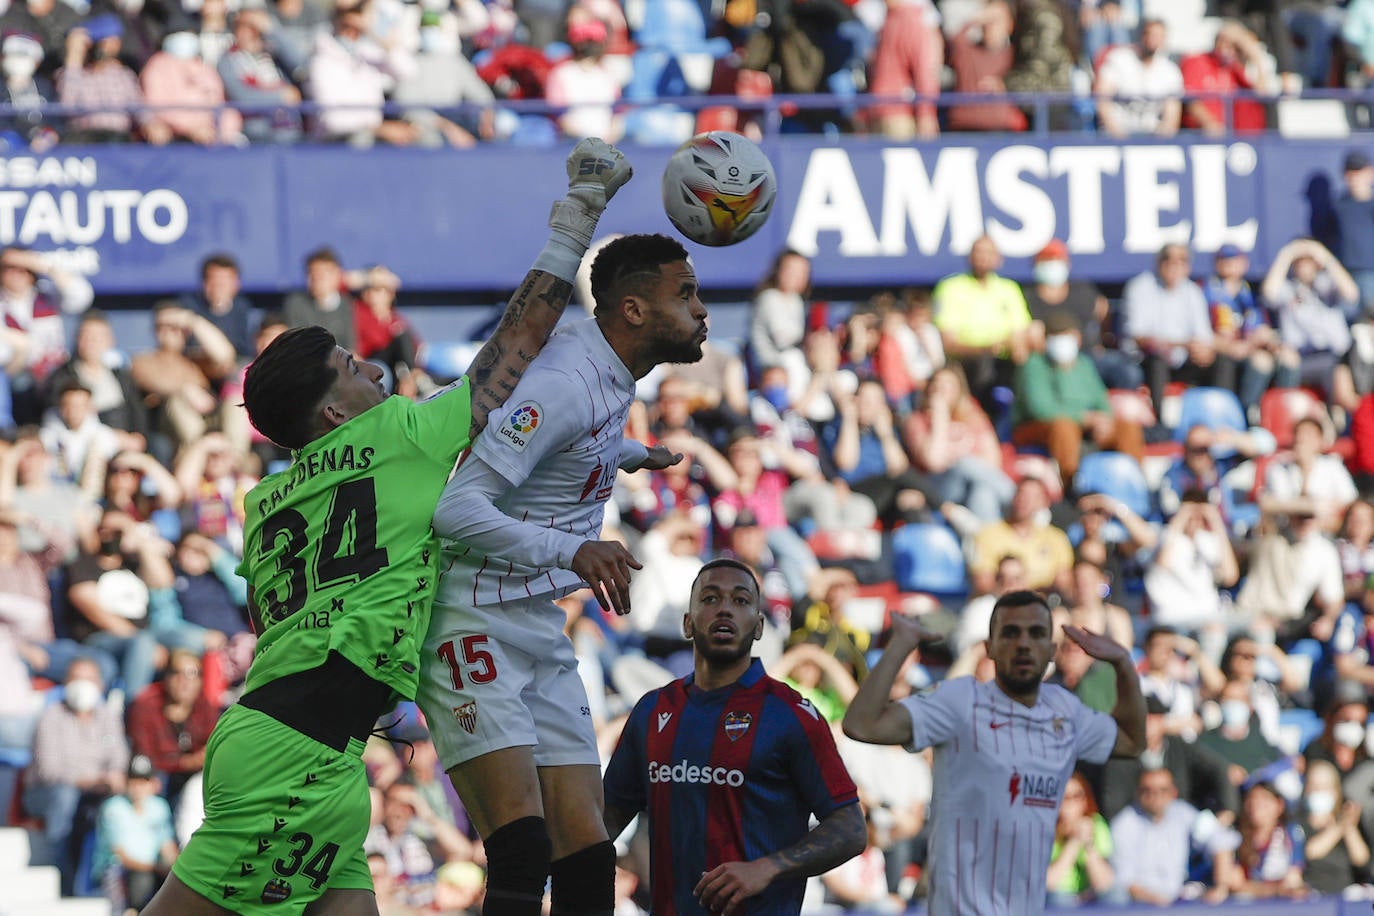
(996, 725)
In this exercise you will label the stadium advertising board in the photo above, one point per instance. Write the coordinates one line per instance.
(869, 213)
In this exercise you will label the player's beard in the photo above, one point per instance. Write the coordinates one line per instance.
(1015, 684)
(686, 349)
(722, 656)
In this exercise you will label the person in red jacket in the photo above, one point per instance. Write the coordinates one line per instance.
(383, 334)
(1361, 463)
(1237, 61)
(170, 721)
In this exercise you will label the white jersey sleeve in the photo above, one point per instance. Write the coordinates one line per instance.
(1094, 733)
(940, 714)
(540, 418)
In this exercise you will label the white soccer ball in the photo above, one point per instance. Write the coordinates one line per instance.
(719, 188)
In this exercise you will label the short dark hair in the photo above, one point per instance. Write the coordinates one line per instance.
(729, 563)
(285, 384)
(1157, 631)
(1022, 597)
(93, 316)
(218, 259)
(272, 320)
(164, 305)
(622, 264)
(323, 253)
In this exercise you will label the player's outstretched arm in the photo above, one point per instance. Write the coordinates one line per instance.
(596, 170)
(839, 837)
(872, 717)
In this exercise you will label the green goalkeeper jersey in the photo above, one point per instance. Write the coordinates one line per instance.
(339, 548)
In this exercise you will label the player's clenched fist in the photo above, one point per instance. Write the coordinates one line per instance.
(596, 170)
(605, 566)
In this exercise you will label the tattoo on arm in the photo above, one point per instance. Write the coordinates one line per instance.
(837, 839)
(525, 326)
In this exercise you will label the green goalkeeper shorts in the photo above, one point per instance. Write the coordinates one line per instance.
(285, 818)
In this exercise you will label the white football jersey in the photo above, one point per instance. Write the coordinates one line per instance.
(557, 441)
(1000, 772)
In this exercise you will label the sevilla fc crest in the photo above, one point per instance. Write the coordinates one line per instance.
(467, 716)
(736, 724)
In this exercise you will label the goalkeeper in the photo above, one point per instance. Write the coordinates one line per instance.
(342, 567)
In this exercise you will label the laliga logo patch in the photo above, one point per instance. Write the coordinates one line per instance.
(467, 716)
(520, 425)
(736, 724)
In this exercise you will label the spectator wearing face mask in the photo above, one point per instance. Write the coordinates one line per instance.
(1052, 290)
(1336, 852)
(26, 91)
(1237, 738)
(1342, 744)
(79, 756)
(1060, 401)
(176, 76)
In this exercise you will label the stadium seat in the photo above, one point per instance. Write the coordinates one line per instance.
(656, 74)
(1022, 464)
(448, 360)
(1133, 406)
(1210, 407)
(928, 558)
(1282, 408)
(534, 130)
(677, 26)
(659, 125)
(1118, 476)
(1298, 728)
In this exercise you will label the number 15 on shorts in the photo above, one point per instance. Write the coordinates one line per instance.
(468, 657)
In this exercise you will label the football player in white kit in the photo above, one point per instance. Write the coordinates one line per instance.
(499, 682)
(1004, 751)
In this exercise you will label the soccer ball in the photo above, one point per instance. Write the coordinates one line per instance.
(718, 188)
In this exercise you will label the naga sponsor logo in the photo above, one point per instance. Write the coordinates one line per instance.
(1034, 790)
(684, 772)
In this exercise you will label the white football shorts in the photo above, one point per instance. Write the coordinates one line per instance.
(504, 676)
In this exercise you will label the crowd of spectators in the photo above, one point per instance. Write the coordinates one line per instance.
(434, 73)
(1188, 469)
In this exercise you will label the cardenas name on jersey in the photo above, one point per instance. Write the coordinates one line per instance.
(312, 464)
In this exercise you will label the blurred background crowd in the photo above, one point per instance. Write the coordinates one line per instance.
(1185, 463)
(458, 72)
(1186, 467)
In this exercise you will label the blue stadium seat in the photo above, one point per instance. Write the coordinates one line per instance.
(1211, 407)
(656, 74)
(677, 26)
(534, 130)
(1305, 725)
(1118, 476)
(928, 558)
(659, 125)
(448, 360)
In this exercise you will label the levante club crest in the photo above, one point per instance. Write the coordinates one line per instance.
(736, 724)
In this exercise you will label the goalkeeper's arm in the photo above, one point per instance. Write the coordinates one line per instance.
(596, 170)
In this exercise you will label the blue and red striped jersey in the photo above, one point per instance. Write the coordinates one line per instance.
(725, 775)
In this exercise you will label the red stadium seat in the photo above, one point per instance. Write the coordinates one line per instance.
(1282, 408)
(1133, 405)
